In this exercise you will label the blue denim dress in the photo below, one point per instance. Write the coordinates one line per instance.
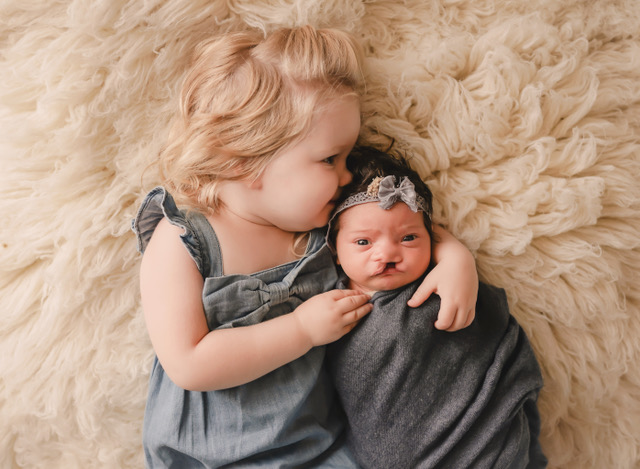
(289, 417)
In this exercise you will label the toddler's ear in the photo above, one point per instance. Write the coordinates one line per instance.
(255, 184)
(250, 181)
(243, 173)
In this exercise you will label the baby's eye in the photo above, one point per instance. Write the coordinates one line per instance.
(409, 238)
(362, 242)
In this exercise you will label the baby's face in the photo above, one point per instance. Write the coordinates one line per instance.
(382, 249)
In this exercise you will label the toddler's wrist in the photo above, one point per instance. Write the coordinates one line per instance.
(301, 331)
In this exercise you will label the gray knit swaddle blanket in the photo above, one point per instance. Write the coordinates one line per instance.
(416, 397)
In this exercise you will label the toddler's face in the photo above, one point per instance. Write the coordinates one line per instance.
(299, 188)
(382, 249)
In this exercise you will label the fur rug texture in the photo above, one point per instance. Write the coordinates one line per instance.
(523, 116)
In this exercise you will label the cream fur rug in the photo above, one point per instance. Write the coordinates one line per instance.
(524, 117)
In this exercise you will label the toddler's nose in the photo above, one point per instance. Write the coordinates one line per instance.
(344, 175)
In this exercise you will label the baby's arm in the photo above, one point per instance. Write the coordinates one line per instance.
(200, 360)
(454, 279)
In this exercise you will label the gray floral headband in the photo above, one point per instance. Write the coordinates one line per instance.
(385, 191)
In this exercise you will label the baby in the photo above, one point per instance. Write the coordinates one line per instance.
(414, 396)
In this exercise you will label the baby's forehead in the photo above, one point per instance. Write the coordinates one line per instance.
(370, 215)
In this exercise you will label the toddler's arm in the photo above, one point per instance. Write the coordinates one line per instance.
(200, 360)
(454, 279)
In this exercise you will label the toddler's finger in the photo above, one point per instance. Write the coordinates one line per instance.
(461, 320)
(423, 292)
(446, 317)
(354, 299)
(349, 327)
(470, 317)
(358, 313)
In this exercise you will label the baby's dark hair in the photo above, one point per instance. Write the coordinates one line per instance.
(365, 164)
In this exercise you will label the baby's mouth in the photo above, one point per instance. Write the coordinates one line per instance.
(387, 268)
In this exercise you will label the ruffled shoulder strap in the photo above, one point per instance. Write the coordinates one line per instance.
(159, 204)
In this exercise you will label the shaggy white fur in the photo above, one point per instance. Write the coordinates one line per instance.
(523, 116)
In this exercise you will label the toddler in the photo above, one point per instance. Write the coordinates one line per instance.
(236, 280)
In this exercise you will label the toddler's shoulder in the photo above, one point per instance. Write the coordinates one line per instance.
(160, 218)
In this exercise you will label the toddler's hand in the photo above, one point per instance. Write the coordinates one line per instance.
(328, 316)
(457, 285)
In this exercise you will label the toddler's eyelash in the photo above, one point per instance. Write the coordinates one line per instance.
(331, 159)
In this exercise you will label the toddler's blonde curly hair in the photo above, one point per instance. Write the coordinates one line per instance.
(247, 97)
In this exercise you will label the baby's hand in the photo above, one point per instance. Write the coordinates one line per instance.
(327, 317)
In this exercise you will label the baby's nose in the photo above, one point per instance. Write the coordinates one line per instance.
(387, 252)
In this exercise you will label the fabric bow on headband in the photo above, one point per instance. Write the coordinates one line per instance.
(384, 191)
(389, 194)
